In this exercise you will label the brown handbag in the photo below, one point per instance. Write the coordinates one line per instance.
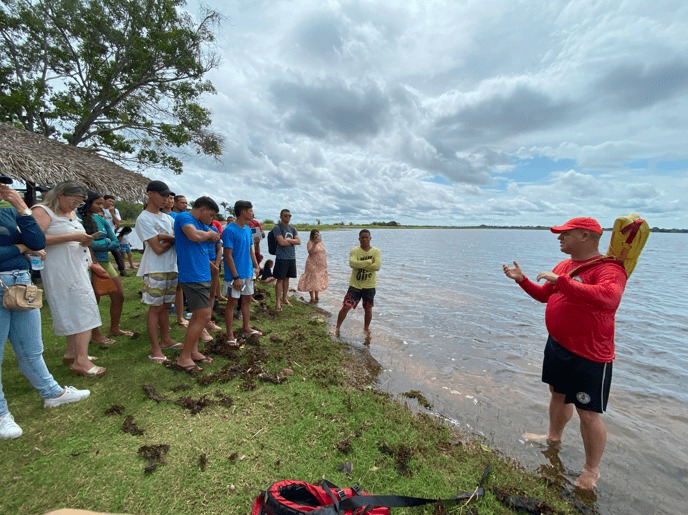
(103, 285)
(21, 296)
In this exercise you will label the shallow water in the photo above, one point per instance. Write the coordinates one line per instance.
(448, 323)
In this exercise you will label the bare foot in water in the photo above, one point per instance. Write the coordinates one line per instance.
(537, 438)
(366, 341)
(588, 479)
(335, 331)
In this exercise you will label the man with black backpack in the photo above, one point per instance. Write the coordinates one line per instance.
(286, 237)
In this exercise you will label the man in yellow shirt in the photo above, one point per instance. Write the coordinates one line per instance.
(364, 261)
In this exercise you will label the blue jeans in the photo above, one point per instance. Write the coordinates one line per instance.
(24, 331)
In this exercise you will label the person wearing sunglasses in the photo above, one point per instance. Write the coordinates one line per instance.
(66, 275)
(287, 237)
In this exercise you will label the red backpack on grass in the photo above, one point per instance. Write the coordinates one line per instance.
(297, 497)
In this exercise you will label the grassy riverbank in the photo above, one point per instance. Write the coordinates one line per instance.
(238, 426)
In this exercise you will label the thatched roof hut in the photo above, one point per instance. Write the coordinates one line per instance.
(33, 158)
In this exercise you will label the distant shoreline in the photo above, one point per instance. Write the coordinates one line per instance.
(329, 227)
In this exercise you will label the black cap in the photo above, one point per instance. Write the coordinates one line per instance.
(6, 180)
(158, 187)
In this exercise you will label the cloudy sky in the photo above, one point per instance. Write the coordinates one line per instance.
(453, 113)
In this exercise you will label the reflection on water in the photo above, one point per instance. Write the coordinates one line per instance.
(447, 323)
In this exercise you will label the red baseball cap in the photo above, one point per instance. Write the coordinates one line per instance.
(583, 222)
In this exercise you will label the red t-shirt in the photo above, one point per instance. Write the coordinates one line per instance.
(580, 309)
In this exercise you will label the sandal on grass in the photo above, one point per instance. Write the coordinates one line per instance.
(191, 369)
(104, 341)
(232, 343)
(122, 332)
(69, 361)
(94, 371)
(159, 360)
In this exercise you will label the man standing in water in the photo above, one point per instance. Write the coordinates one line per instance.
(364, 261)
(582, 296)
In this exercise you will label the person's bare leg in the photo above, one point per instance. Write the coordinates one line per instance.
(153, 324)
(340, 319)
(199, 318)
(164, 326)
(179, 307)
(367, 318)
(116, 306)
(246, 313)
(594, 435)
(279, 285)
(80, 343)
(559, 415)
(285, 291)
(229, 316)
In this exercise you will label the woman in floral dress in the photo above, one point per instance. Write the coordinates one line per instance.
(314, 278)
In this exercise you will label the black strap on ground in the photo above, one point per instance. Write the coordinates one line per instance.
(403, 501)
(342, 504)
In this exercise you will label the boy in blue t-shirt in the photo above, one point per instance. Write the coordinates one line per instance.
(191, 232)
(240, 269)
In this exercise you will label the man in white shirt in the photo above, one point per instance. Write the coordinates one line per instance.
(158, 268)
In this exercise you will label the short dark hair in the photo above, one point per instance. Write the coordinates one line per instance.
(108, 197)
(241, 205)
(360, 233)
(284, 211)
(177, 197)
(206, 202)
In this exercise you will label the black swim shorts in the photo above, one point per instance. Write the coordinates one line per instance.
(585, 383)
(354, 295)
(284, 268)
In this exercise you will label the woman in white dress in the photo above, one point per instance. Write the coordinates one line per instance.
(66, 276)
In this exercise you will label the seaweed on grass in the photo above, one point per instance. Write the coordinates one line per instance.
(151, 393)
(402, 455)
(155, 454)
(415, 394)
(129, 427)
(195, 406)
(115, 409)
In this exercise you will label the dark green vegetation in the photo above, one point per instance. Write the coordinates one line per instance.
(123, 77)
(294, 404)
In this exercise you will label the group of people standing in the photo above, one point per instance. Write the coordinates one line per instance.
(184, 251)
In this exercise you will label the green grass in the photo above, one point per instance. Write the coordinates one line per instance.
(320, 418)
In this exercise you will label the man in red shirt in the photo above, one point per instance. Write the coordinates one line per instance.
(582, 296)
(258, 234)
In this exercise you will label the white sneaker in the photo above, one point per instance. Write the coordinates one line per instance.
(8, 427)
(70, 394)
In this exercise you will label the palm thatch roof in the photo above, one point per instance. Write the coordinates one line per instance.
(33, 158)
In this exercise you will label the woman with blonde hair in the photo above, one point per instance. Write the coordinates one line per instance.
(66, 275)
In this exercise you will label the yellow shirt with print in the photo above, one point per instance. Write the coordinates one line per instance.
(364, 265)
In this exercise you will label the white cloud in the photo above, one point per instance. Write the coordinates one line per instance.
(423, 112)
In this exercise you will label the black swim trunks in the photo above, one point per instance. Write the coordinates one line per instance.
(585, 383)
(354, 295)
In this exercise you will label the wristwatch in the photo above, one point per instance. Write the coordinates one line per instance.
(26, 212)
(235, 277)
